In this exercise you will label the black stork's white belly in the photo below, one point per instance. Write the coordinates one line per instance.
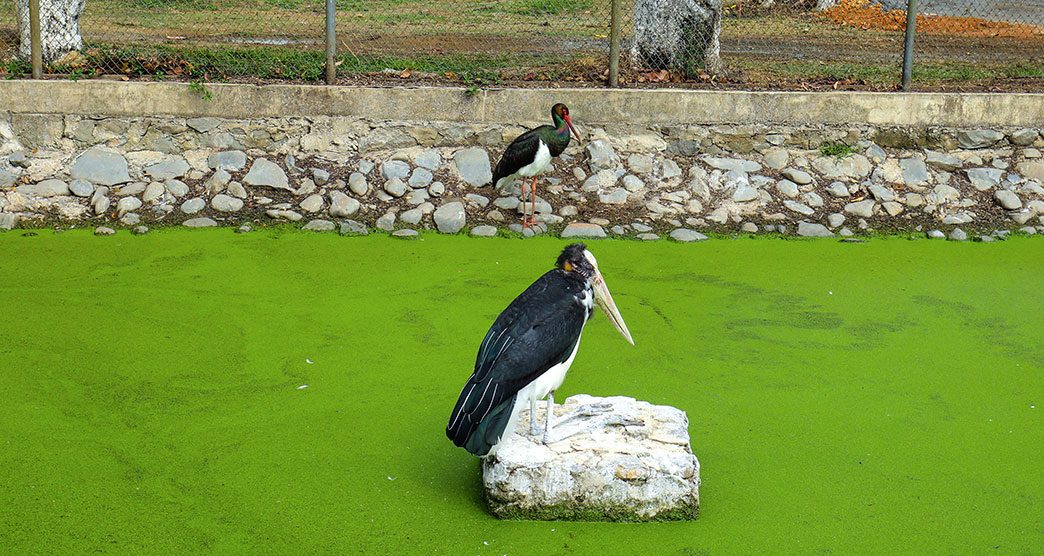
(541, 162)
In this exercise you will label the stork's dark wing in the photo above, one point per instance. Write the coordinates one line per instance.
(521, 151)
(537, 331)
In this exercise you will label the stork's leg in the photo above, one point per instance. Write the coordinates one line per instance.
(532, 198)
(550, 412)
(522, 187)
(533, 428)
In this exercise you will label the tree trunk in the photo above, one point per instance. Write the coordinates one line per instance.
(677, 34)
(59, 28)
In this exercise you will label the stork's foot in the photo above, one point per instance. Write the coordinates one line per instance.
(560, 434)
(536, 430)
(528, 222)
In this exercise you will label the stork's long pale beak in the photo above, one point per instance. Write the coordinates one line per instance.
(572, 127)
(604, 299)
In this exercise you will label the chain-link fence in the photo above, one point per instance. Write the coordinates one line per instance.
(720, 43)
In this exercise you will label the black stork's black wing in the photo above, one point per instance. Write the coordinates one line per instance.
(537, 331)
(520, 152)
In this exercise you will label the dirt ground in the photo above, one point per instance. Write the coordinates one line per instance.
(864, 14)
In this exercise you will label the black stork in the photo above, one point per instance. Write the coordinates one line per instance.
(530, 154)
(528, 350)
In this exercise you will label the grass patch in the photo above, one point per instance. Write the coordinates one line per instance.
(287, 63)
(936, 72)
(929, 73)
(15, 68)
(548, 7)
(835, 149)
(849, 398)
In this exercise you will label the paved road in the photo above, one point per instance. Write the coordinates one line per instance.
(1014, 11)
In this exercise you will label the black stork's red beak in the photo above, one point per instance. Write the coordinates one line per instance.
(572, 128)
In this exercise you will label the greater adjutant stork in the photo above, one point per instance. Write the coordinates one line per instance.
(530, 154)
(528, 350)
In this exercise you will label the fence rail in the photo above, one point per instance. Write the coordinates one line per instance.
(723, 43)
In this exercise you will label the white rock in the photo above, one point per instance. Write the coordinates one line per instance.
(236, 189)
(864, 209)
(202, 222)
(153, 192)
(192, 206)
(319, 225)
(613, 458)
(342, 205)
(290, 215)
(744, 193)
(633, 183)
(812, 199)
(81, 188)
(357, 184)
(944, 193)
(837, 189)
(855, 166)
(312, 203)
(1007, 199)
(777, 158)
(799, 177)
(1032, 169)
(600, 181)
(617, 196)
(798, 207)
(45, 188)
(985, 179)
(601, 155)
(583, 229)
(395, 187)
(686, 235)
(225, 203)
(787, 188)
(811, 229)
(265, 173)
(127, 204)
(450, 217)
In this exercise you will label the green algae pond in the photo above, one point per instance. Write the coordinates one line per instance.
(286, 392)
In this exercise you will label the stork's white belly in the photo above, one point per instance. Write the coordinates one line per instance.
(540, 388)
(539, 164)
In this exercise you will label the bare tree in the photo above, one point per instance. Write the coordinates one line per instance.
(59, 28)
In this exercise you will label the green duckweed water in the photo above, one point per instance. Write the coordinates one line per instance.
(843, 398)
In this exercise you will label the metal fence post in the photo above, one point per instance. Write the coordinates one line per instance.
(614, 44)
(331, 42)
(911, 29)
(34, 41)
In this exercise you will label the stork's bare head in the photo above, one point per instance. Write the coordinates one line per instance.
(577, 259)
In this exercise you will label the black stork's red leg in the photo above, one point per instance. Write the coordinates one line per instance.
(531, 220)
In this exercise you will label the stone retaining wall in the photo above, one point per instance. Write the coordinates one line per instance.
(358, 173)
